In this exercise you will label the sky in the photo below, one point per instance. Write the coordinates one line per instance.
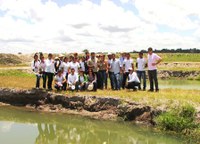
(63, 26)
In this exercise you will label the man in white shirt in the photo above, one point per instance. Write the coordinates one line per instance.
(128, 63)
(133, 80)
(141, 64)
(75, 65)
(42, 68)
(153, 60)
(116, 68)
(73, 80)
(49, 70)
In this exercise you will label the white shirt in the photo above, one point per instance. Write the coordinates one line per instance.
(42, 66)
(65, 67)
(72, 78)
(75, 66)
(82, 65)
(153, 58)
(109, 63)
(59, 79)
(49, 66)
(35, 66)
(128, 64)
(81, 79)
(141, 62)
(115, 66)
(133, 77)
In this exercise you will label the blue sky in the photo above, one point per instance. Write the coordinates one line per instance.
(98, 25)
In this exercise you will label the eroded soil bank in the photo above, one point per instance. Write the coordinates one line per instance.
(96, 107)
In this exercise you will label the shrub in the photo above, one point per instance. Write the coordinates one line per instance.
(182, 118)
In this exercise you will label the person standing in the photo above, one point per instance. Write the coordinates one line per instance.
(75, 65)
(65, 67)
(153, 60)
(116, 67)
(49, 70)
(42, 68)
(35, 67)
(141, 64)
(128, 63)
(102, 68)
(110, 72)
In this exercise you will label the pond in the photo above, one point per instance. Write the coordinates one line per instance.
(19, 126)
(180, 84)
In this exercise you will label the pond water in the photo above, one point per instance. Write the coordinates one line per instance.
(19, 126)
(179, 84)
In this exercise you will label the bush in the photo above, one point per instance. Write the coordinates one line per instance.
(178, 120)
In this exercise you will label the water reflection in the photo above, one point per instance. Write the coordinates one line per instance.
(65, 129)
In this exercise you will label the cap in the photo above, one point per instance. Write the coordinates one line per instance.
(61, 55)
(56, 58)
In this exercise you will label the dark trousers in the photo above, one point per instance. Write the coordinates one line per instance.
(111, 77)
(102, 79)
(50, 80)
(37, 85)
(44, 77)
(38, 77)
(59, 87)
(142, 76)
(132, 85)
(153, 79)
(125, 77)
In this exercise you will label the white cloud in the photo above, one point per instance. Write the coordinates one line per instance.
(30, 25)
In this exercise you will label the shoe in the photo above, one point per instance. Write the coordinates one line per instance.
(150, 90)
(157, 90)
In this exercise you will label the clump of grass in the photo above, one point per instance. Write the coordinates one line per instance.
(179, 120)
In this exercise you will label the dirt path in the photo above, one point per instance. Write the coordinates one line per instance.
(15, 68)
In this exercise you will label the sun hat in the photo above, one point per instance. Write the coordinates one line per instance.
(73, 87)
(90, 87)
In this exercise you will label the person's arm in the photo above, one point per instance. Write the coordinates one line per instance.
(132, 65)
(64, 80)
(95, 79)
(130, 78)
(158, 60)
(32, 66)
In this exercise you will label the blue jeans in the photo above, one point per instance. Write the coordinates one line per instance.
(117, 81)
(142, 76)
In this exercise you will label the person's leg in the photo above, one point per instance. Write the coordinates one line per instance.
(104, 75)
(144, 80)
(139, 74)
(120, 80)
(44, 80)
(117, 81)
(57, 87)
(94, 86)
(124, 80)
(50, 80)
(101, 79)
(151, 80)
(76, 86)
(155, 78)
(37, 81)
(112, 80)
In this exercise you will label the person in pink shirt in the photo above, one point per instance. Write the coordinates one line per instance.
(153, 61)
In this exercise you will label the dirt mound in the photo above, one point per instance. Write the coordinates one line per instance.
(13, 59)
(10, 59)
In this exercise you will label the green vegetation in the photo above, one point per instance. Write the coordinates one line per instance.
(14, 73)
(180, 120)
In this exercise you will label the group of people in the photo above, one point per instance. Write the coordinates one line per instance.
(91, 72)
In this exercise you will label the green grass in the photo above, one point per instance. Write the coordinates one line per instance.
(175, 57)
